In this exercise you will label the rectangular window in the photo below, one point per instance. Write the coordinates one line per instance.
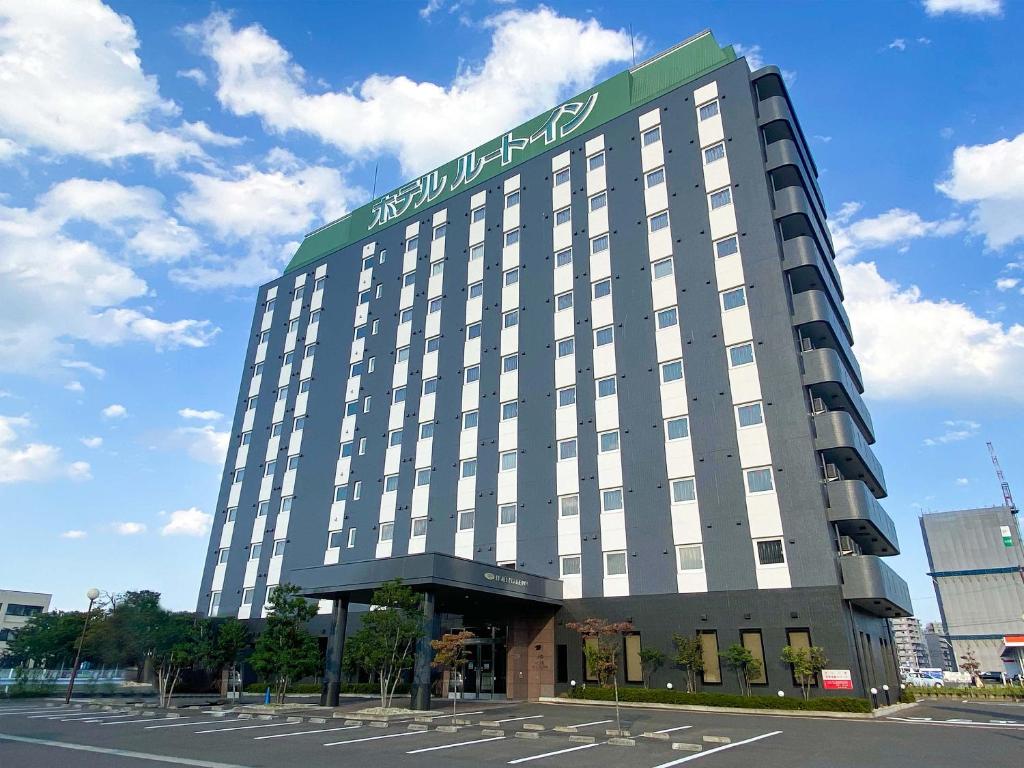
(511, 237)
(478, 214)
(436, 267)
(412, 244)
(247, 595)
(741, 354)
(472, 374)
(671, 371)
(566, 347)
(245, 439)
(366, 403)
(727, 247)
(263, 509)
(569, 565)
(299, 424)
(510, 319)
(398, 396)
(314, 316)
(713, 153)
(598, 201)
(375, 329)
(563, 301)
(364, 298)
(408, 279)
(304, 385)
(561, 177)
(222, 555)
(606, 387)
(476, 252)
(799, 638)
(668, 318)
(751, 639)
(510, 410)
(214, 607)
(269, 306)
(346, 449)
(611, 500)
(293, 463)
(608, 441)
(712, 673)
(356, 369)
(278, 548)
(634, 667)
(299, 292)
(690, 557)
(360, 332)
(440, 230)
(429, 386)
(599, 244)
(476, 290)
(426, 430)
(733, 299)
(563, 257)
(510, 363)
(512, 199)
(230, 514)
(508, 461)
(567, 449)
(264, 337)
(511, 277)
(566, 397)
(270, 468)
(770, 552)
(655, 177)
(466, 520)
(683, 490)
(293, 326)
(368, 263)
(390, 483)
(387, 531)
(595, 161)
(507, 514)
(662, 268)
(604, 336)
(562, 216)
(749, 415)
(405, 316)
(282, 393)
(434, 306)
(677, 429)
(422, 477)
(352, 531)
(419, 526)
(759, 480)
(569, 506)
(658, 221)
(371, 363)
(334, 540)
(289, 358)
(653, 136)
(708, 110)
(470, 419)
(469, 468)
(357, 490)
(257, 370)
(379, 291)
(402, 354)
(341, 493)
(721, 198)
(433, 344)
(310, 350)
(602, 288)
(276, 428)
(255, 551)
(614, 563)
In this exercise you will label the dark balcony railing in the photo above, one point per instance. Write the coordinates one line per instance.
(829, 379)
(815, 315)
(802, 253)
(856, 513)
(843, 444)
(873, 586)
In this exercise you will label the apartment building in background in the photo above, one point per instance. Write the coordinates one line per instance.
(940, 650)
(977, 567)
(16, 608)
(908, 639)
(596, 367)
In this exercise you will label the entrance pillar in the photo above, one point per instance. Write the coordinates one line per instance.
(424, 655)
(330, 694)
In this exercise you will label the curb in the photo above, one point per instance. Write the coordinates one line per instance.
(879, 712)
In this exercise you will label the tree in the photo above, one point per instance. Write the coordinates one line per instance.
(224, 647)
(46, 639)
(807, 663)
(177, 641)
(127, 634)
(285, 651)
(385, 642)
(739, 658)
(689, 658)
(969, 663)
(602, 640)
(651, 660)
(450, 653)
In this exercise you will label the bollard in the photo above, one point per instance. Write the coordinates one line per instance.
(266, 696)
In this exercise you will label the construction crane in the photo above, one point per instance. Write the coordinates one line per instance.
(1007, 496)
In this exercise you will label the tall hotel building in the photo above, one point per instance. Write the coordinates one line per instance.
(598, 366)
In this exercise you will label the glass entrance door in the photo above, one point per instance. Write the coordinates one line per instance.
(483, 676)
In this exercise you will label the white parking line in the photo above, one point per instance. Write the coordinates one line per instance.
(92, 718)
(303, 733)
(191, 722)
(584, 725)
(457, 714)
(374, 738)
(456, 744)
(677, 728)
(556, 752)
(117, 752)
(511, 719)
(722, 748)
(23, 709)
(143, 720)
(35, 712)
(245, 727)
(955, 723)
(51, 715)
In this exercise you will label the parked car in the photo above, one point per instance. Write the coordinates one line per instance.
(924, 678)
(992, 677)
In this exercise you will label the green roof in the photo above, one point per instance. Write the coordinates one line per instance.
(586, 111)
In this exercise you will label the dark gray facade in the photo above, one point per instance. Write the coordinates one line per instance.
(778, 504)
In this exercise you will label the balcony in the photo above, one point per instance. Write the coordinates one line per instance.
(857, 514)
(874, 587)
(814, 314)
(783, 154)
(800, 255)
(830, 380)
(790, 199)
(842, 443)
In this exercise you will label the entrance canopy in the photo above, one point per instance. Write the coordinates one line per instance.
(446, 576)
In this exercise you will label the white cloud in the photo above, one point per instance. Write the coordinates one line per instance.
(969, 7)
(194, 74)
(430, 8)
(82, 365)
(203, 443)
(202, 132)
(898, 44)
(74, 534)
(955, 431)
(115, 411)
(1007, 283)
(9, 150)
(188, 522)
(755, 60)
(535, 58)
(56, 289)
(192, 413)
(92, 442)
(22, 462)
(262, 262)
(990, 178)
(894, 227)
(962, 481)
(129, 528)
(73, 84)
(822, 139)
(74, 386)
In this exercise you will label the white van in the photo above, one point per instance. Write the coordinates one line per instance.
(924, 677)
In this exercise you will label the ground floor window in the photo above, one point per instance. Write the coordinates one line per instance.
(799, 638)
(752, 642)
(712, 665)
(634, 669)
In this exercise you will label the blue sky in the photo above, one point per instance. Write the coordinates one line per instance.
(159, 161)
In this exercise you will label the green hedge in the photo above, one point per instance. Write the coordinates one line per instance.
(988, 692)
(367, 688)
(665, 696)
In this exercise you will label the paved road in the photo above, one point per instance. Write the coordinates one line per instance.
(954, 734)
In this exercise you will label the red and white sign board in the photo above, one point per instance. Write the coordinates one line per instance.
(836, 680)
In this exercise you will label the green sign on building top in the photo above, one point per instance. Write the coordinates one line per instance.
(602, 103)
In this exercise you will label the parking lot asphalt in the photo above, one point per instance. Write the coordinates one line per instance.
(36, 734)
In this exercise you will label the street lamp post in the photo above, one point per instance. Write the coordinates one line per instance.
(92, 594)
